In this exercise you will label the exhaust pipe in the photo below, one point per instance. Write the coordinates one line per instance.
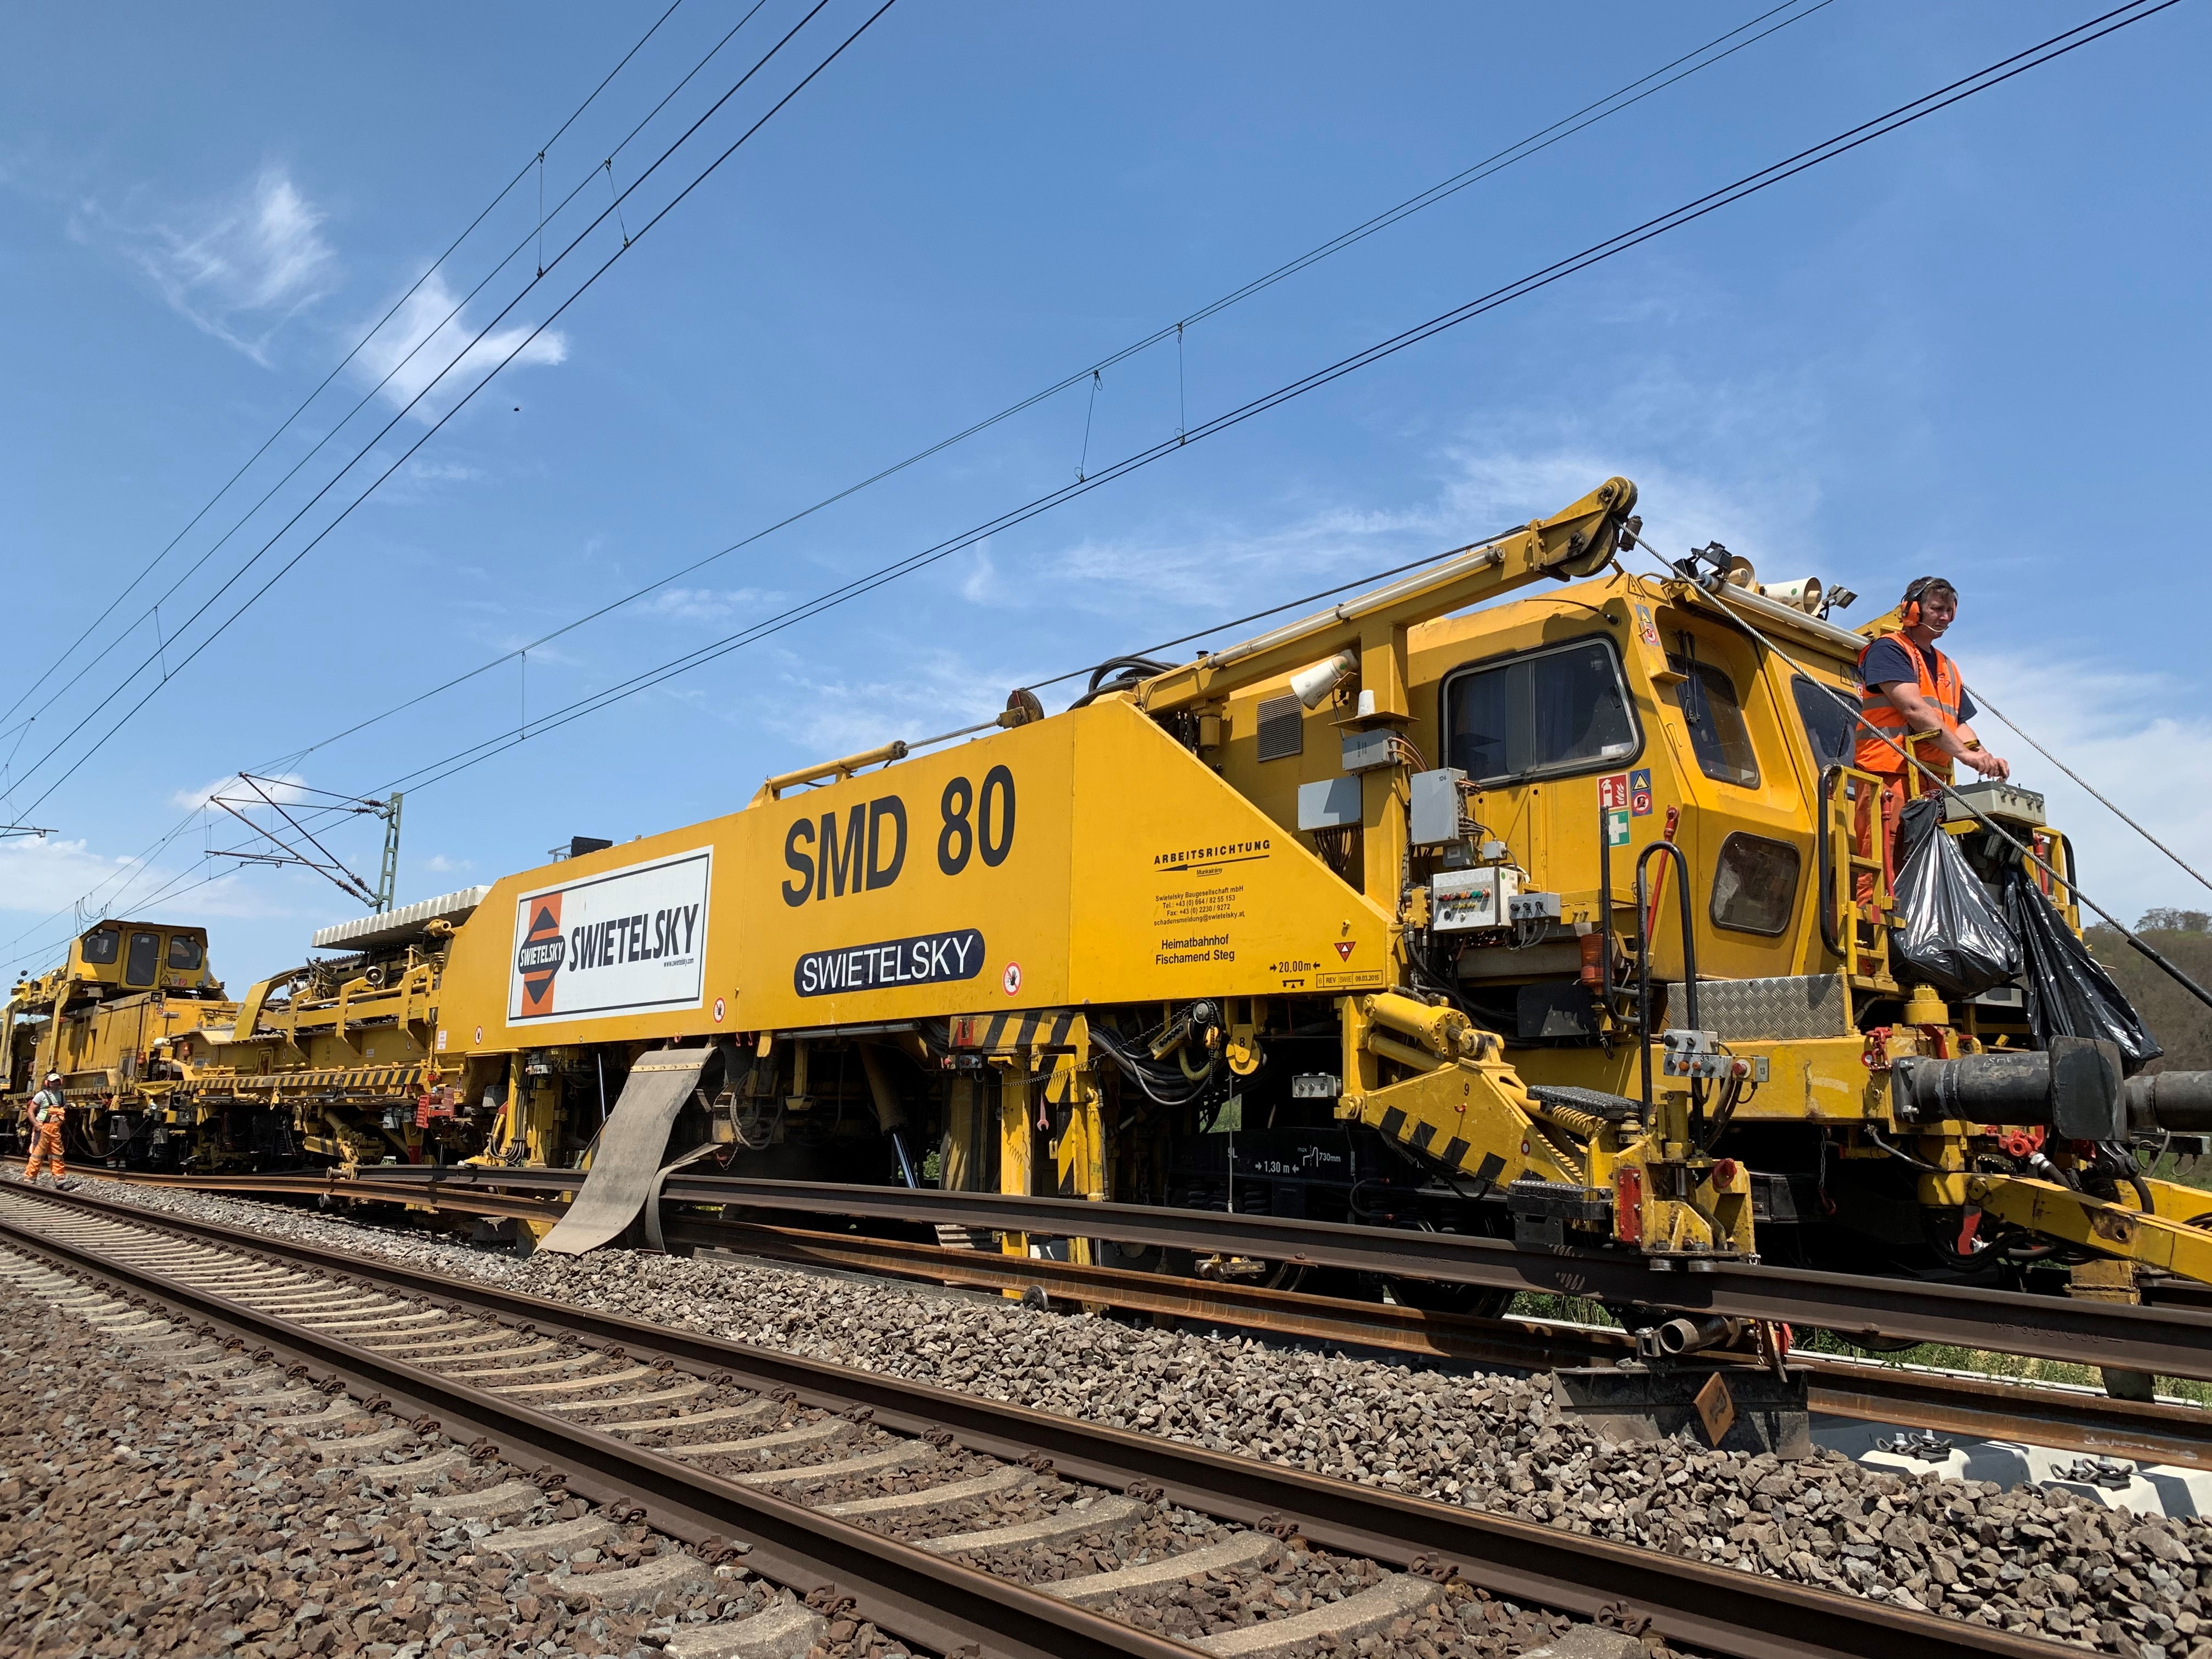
(1686, 1336)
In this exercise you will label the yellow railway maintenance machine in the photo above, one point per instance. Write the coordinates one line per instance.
(328, 1062)
(1564, 920)
(1344, 923)
(106, 1019)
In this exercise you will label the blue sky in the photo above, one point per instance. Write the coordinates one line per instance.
(1975, 347)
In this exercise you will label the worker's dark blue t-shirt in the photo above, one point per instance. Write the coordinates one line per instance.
(1887, 662)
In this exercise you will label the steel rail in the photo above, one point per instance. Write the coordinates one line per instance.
(1916, 1398)
(1714, 1609)
(2165, 1341)
(926, 1599)
(1943, 1402)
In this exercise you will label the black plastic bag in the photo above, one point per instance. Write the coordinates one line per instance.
(2068, 992)
(1950, 933)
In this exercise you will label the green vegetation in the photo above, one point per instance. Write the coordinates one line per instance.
(2182, 1024)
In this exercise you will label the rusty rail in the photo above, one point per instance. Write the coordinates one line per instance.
(1693, 1605)
(1941, 1402)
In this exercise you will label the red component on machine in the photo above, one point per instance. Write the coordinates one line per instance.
(1725, 1172)
(1628, 1205)
(1592, 946)
(2017, 1142)
(1875, 1057)
(437, 1103)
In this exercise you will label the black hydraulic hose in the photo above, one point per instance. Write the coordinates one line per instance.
(1134, 671)
(1644, 953)
(1898, 1152)
(1831, 924)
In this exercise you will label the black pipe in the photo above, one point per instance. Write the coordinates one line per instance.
(1831, 924)
(1643, 952)
(2074, 1089)
(2169, 1100)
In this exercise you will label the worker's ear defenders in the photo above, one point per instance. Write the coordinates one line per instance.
(1908, 612)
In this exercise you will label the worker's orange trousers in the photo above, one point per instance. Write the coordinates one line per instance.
(46, 1151)
(1892, 798)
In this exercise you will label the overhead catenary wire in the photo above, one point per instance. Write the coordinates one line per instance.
(426, 337)
(286, 425)
(1543, 138)
(138, 867)
(520, 345)
(1996, 73)
(2003, 69)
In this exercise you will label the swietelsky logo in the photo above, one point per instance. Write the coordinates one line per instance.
(538, 957)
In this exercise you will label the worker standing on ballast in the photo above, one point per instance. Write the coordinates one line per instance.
(47, 1109)
(1914, 700)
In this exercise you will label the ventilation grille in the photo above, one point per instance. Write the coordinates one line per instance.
(1282, 728)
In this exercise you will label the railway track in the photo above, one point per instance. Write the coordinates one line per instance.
(2165, 1341)
(971, 1507)
(1939, 1403)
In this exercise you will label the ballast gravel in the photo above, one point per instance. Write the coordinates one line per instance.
(2037, 1560)
(145, 1509)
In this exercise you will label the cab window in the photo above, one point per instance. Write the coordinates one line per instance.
(100, 946)
(1832, 724)
(145, 956)
(183, 951)
(1754, 884)
(1706, 696)
(1562, 710)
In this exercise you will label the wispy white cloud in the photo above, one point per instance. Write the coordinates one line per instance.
(430, 329)
(430, 472)
(44, 875)
(287, 789)
(709, 603)
(939, 690)
(239, 268)
(981, 585)
(41, 877)
(439, 864)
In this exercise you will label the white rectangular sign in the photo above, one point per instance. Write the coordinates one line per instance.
(623, 942)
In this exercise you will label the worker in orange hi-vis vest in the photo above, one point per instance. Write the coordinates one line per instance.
(1914, 700)
(48, 1107)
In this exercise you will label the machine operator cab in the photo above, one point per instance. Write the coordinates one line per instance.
(157, 967)
(130, 956)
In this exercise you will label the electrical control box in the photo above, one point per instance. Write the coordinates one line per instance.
(1330, 804)
(1463, 900)
(1533, 906)
(1371, 751)
(1435, 817)
(1994, 803)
